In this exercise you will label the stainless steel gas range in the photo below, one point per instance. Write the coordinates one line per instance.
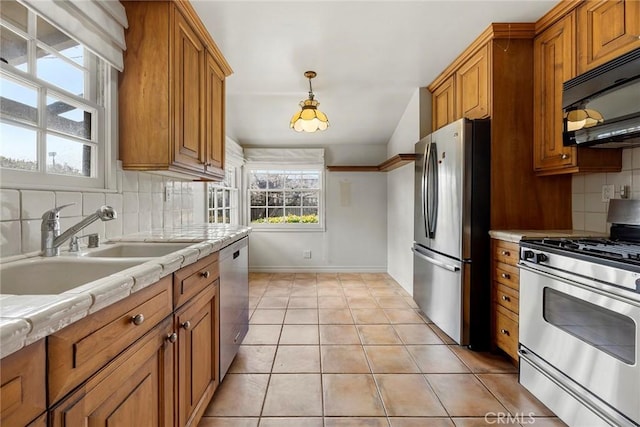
(580, 322)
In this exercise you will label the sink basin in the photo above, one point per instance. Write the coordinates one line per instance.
(42, 276)
(135, 250)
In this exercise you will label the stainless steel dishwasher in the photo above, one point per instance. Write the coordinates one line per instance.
(234, 300)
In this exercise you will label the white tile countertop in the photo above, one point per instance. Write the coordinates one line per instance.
(516, 235)
(25, 319)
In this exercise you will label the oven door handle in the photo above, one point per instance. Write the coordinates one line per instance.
(610, 292)
(435, 261)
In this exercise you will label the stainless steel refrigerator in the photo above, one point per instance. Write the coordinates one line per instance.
(451, 248)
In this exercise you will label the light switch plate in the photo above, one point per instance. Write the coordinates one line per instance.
(608, 192)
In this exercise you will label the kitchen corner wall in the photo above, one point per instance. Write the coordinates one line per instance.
(414, 124)
(139, 203)
(589, 211)
(355, 219)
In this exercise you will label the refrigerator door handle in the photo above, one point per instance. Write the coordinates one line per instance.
(431, 194)
(425, 166)
(435, 261)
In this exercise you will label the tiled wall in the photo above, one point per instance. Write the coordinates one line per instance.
(589, 211)
(140, 205)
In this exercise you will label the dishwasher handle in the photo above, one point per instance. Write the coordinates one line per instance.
(435, 261)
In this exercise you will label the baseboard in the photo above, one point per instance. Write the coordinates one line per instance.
(317, 269)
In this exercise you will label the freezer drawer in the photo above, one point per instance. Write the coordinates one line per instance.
(234, 301)
(437, 289)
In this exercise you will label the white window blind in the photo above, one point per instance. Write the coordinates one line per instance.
(97, 24)
(284, 156)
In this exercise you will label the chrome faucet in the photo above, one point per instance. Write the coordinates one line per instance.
(51, 239)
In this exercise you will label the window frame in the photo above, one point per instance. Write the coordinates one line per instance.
(230, 185)
(101, 101)
(284, 227)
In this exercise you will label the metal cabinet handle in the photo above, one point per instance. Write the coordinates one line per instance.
(186, 325)
(505, 298)
(505, 276)
(504, 332)
(138, 319)
(205, 274)
(506, 253)
(564, 156)
(172, 337)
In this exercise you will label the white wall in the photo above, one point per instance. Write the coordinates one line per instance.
(589, 211)
(411, 127)
(355, 238)
(139, 203)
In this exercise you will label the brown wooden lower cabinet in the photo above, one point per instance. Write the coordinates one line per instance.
(197, 355)
(22, 391)
(134, 389)
(151, 359)
(505, 296)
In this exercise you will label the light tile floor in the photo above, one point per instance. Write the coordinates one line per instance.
(347, 350)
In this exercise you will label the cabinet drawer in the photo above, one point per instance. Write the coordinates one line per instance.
(506, 274)
(506, 331)
(506, 252)
(22, 392)
(79, 350)
(189, 281)
(506, 297)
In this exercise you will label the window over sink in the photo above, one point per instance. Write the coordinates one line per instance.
(55, 98)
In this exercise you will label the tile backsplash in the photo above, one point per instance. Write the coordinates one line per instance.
(139, 202)
(589, 211)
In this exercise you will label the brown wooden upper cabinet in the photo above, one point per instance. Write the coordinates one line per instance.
(472, 86)
(171, 92)
(464, 93)
(443, 100)
(555, 61)
(606, 30)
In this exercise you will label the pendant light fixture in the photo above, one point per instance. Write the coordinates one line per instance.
(309, 118)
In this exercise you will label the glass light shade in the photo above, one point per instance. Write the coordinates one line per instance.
(580, 119)
(309, 118)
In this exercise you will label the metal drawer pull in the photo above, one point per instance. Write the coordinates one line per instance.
(186, 325)
(564, 156)
(235, 340)
(506, 253)
(172, 338)
(205, 274)
(504, 332)
(138, 319)
(505, 276)
(505, 298)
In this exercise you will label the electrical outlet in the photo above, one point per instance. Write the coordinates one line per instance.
(608, 192)
(167, 194)
(306, 254)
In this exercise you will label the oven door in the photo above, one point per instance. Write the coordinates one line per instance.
(588, 335)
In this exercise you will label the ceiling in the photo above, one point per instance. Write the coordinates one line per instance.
(370, 57)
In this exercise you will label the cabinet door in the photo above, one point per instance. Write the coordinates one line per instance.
(188, 66)
(214, 117)
(554, 63)
(472, 87)
(135, 389)
(606, 29)
(443, 104)
(23, 385)
(197, 362)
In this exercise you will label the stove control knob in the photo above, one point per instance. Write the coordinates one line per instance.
(528, 254)
(540, 258)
